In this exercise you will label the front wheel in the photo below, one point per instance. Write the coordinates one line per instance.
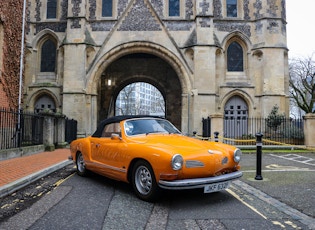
(143, 181)
(81, 170)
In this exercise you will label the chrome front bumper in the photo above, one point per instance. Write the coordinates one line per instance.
(198, 182)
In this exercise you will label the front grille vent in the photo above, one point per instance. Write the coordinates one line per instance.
(194, 164)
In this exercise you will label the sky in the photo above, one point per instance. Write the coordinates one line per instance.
(300, 28)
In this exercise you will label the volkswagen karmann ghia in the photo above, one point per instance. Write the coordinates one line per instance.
(151, 154)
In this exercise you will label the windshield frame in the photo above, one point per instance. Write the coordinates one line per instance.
(137, 126)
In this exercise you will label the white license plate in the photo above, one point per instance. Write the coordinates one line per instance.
(216, 187)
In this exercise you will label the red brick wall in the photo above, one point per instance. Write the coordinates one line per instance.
(11, 20)
(4, 102)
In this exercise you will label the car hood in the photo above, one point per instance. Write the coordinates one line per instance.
(182, 144)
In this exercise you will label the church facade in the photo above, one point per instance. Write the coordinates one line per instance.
(208, 58)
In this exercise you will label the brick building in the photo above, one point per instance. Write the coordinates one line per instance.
(226, 59)
(10, 50)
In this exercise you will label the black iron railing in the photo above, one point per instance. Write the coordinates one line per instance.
(288, 131)
(20, 128)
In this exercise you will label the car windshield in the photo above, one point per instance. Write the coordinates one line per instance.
(147, 126)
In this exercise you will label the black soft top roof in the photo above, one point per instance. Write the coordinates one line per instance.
(115, 119)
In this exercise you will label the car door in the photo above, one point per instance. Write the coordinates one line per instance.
(106, 152)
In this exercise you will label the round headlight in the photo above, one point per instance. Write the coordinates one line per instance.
(237, 155)
(177, 162)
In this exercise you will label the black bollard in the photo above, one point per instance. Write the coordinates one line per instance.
(216, 136)
(258, 156)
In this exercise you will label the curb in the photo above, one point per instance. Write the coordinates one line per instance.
(292, 212)
(20, 183)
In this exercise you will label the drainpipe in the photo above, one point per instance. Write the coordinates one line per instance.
(21, 75)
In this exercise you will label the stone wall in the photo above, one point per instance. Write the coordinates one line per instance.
(192, 48)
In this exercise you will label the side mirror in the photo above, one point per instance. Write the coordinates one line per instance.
(115, 136)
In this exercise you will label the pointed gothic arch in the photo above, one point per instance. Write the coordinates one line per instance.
(235, 117)
(53, 100)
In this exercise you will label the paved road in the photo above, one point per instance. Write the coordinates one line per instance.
(98, 203)
(114, 206)
(289, 178)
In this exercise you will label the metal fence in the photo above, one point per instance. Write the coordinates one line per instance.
(18, 129)
(240, 131)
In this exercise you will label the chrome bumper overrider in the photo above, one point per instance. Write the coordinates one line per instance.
(198, 182)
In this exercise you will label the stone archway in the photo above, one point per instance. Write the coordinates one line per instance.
(145, 68)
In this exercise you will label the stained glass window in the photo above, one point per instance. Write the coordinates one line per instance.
(48, 58)
(235, 57)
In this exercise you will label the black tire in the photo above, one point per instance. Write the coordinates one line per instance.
(143, 181)
(81, 170)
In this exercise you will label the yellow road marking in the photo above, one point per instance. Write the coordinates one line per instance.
(251, 207)
(278, 223)
(62, 180)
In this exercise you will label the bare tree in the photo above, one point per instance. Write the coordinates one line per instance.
(302, 83)
(127, 106)
(131, 101)
(158, 104)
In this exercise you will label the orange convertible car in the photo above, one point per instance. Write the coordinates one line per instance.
(150, 153)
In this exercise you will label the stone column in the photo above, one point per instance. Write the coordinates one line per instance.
(217, 124)
(48, 133)
(61, 143)
(309, 131)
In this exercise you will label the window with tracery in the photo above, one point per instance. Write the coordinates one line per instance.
(48, 57)
(235, 59)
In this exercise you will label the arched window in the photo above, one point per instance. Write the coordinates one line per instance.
(48, 57)
(231, 8)
(51, 8)
(107, 8)
(235, 59)
(174, 8)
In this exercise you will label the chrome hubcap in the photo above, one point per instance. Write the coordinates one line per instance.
(143, 180)
(80, 163)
